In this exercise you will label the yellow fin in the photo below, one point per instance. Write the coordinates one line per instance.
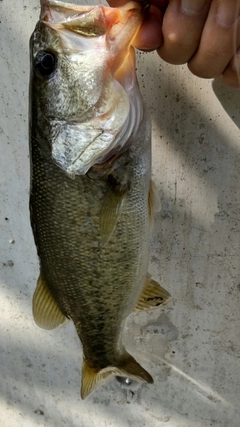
(152, 296)
(111, 209)
(153, 199)
(46, 312)
(129, 368)
(92, 378)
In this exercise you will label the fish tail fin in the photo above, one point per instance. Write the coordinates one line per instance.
(128, 367)
(93, 378)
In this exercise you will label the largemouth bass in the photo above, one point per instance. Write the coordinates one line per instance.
(91, 197)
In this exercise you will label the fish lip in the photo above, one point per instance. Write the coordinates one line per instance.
(112, 15)
(47, 5)
(118, 25)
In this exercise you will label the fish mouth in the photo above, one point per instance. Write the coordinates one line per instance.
(119, 25)
(95, 20)
(111, 31)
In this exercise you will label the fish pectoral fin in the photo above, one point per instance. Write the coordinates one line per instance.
(153, 200)
(152, 296)
(46, 312)
(110, 212)
(129, 368)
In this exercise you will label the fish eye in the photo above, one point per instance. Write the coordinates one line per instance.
(45, 63)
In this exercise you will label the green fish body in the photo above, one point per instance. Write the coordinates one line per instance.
(91, 197)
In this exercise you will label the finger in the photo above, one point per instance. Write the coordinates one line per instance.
(231, 75)
(117, 3)
(183, 23)
(149, 36)
(220, 39)
(160, 4)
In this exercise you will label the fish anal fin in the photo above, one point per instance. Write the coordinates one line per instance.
(46, 312)
(153, 200)
(152, 296)
(110, 213)
(128, 367)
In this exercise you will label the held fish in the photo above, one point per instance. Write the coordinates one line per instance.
(91, 197)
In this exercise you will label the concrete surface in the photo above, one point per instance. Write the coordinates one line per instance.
(192, 346)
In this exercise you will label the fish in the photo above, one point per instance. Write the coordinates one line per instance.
(92, 199)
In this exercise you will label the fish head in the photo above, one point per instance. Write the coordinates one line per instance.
(82, 72)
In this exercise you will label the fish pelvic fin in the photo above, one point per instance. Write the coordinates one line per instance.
(153, 295)
(46, 312)
(153, 200)
(128, 367)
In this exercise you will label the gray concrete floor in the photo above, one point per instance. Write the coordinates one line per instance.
(192, 346)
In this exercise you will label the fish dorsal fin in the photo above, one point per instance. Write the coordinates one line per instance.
(110, 213)
(128, 367)
(46, 312)
(152, 296)
(153, 200)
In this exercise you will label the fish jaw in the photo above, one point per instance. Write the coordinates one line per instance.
(98, 122)
(65, 13)
(119, 25)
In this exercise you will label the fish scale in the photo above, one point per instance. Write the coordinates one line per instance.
(77, 271)
(92, 235)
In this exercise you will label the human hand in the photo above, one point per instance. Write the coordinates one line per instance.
(205, 34)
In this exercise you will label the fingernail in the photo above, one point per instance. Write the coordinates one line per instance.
(192, 7)
(228, 12)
